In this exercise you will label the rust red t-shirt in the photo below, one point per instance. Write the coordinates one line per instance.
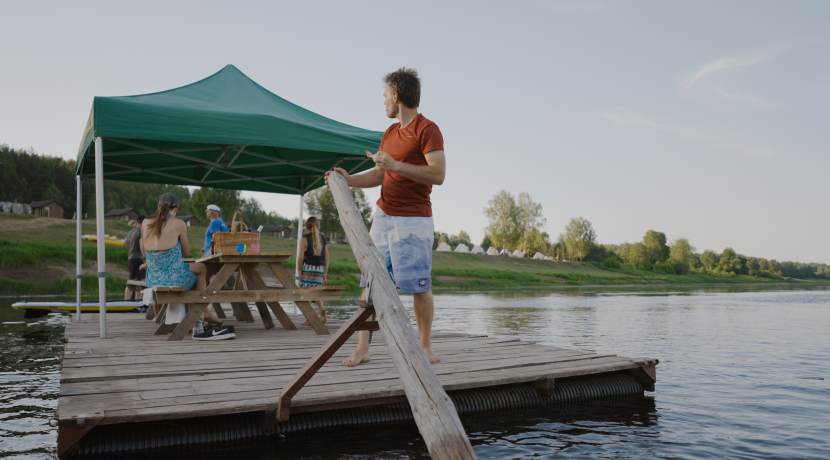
(400, 196)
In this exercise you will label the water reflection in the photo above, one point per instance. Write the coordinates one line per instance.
(29, 380)
(730, 383)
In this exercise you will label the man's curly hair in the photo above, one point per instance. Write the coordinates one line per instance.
(406, 83)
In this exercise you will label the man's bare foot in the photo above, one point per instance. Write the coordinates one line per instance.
(431, 356)
(357, 357)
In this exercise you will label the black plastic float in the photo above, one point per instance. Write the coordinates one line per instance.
(204, 433)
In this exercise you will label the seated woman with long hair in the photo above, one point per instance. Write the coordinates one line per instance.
(164, 240)
(314, 261)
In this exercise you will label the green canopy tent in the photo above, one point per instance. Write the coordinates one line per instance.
(225, 131)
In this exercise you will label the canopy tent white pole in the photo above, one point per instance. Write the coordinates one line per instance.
(99, 225)
(78, 275)
(299, 236)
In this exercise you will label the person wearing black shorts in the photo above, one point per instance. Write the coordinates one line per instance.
(135, 259)
(136, 272)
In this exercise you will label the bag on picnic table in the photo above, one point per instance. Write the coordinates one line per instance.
(225, 242)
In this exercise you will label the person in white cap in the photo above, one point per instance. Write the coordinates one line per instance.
(216, 225)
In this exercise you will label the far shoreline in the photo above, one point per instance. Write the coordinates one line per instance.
(739, 287)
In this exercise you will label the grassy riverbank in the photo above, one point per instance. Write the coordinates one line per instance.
(37, 256)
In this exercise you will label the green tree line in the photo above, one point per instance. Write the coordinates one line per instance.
(320, 204)
(26, 176)
(679, 257)
(452, 240)
(515, 222)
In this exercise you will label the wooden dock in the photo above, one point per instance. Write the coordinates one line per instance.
(135, 376)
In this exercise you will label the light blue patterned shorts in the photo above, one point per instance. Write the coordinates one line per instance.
(406, 246)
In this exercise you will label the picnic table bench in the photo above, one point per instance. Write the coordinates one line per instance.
(136, 287)
(248, 287)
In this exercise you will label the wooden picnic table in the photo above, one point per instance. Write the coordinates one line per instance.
(249, 287)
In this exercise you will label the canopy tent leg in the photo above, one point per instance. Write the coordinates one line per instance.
(78, 275)
(99, 224)
(299, 236)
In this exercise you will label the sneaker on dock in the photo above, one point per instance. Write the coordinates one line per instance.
(216, 333)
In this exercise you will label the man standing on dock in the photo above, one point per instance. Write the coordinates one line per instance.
(410, 161)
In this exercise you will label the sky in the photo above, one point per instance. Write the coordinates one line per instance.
(705, 120)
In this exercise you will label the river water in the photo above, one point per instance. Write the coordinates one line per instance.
(744, 373)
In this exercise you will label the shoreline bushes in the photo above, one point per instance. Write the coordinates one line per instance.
(612, 262)
(89, 284)
(16, 254)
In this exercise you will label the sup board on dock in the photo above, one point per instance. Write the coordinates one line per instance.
(37, 309)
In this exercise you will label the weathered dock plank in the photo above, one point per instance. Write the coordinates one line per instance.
(135, 376)
(135, 368)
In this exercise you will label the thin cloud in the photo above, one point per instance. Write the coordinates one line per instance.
(746, 98)
(625, 118)
(730, 63)
(622, 117)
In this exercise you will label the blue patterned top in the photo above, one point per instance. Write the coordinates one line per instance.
(166, 269)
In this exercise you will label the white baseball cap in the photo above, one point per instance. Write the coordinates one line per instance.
(213, 207)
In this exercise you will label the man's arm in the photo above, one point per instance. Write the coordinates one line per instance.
(431, 174)
(208, 240)
(373, 178)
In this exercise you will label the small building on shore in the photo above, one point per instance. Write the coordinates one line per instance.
(338, 239)
(122, 214)
(191, 221)
(47, 208)
(280, 231)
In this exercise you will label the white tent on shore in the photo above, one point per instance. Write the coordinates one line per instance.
(518, 253)
(462, 248)
(505, 252)
(491, 251)
(444, 247)
(539, 255)
(477, 250)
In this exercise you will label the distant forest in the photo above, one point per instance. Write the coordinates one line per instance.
(516, 222)
(26, 176)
